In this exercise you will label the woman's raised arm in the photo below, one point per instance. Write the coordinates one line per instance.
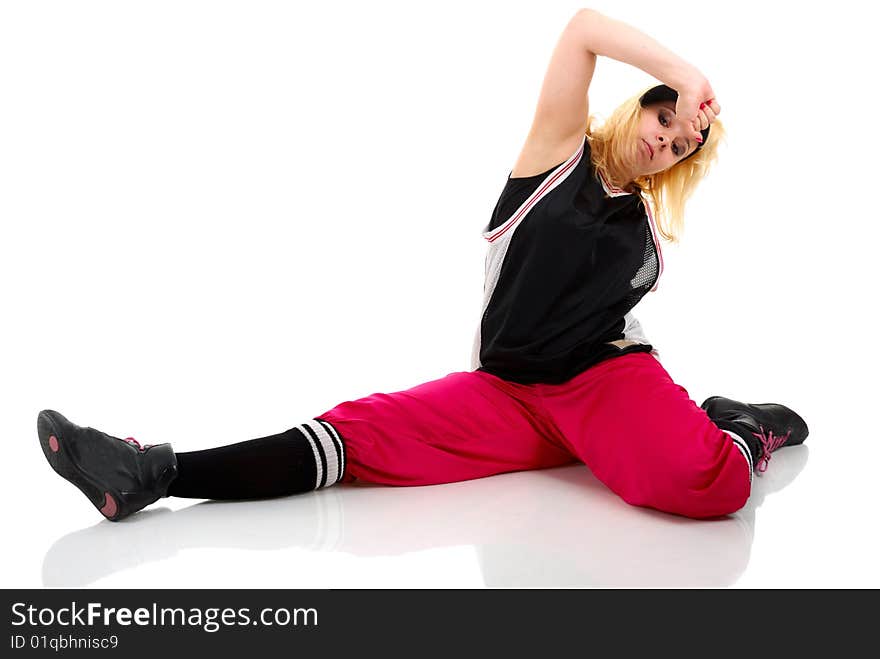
(563, 105)
(612, 38)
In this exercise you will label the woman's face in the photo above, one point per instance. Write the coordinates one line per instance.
(664, 140)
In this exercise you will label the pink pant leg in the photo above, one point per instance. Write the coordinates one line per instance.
(642, 435)
(465, 425)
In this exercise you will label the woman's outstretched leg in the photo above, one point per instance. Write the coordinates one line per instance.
(463, 426)
(120, 477)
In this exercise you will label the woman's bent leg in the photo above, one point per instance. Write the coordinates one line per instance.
(462, 426)
(641, 434)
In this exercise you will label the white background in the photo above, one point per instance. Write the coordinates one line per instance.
(220, 219)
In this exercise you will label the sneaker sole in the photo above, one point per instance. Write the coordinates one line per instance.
(55, 448)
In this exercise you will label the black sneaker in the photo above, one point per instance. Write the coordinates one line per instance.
(119, 476)
(772, 425)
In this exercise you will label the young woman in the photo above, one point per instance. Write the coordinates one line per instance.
(561, 369)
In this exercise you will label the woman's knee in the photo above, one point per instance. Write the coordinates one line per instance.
(712, 479)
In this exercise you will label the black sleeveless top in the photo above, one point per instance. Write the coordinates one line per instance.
(568, 258)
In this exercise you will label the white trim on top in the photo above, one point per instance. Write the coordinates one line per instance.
(655, 235)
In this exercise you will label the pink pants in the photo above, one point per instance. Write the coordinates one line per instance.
(638, 431)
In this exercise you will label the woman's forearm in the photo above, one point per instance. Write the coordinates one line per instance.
(612, 38)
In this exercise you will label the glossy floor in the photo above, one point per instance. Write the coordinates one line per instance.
(551, 528)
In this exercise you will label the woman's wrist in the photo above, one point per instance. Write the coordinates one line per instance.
(685, 77)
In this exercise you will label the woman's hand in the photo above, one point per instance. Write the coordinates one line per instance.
(697, 105)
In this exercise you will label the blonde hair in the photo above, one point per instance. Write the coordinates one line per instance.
(614, 145)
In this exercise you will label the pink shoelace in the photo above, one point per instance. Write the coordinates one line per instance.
(134, 442)
(770, 444)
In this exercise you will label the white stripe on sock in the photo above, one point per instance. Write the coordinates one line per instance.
(339, 443)
(740, 443)
(330, 451)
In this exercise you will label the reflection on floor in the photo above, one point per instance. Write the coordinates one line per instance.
(552, 528)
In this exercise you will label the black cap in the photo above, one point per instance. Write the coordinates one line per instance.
(666, 93)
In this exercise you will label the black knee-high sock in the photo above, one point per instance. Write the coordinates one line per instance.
(304, 458)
